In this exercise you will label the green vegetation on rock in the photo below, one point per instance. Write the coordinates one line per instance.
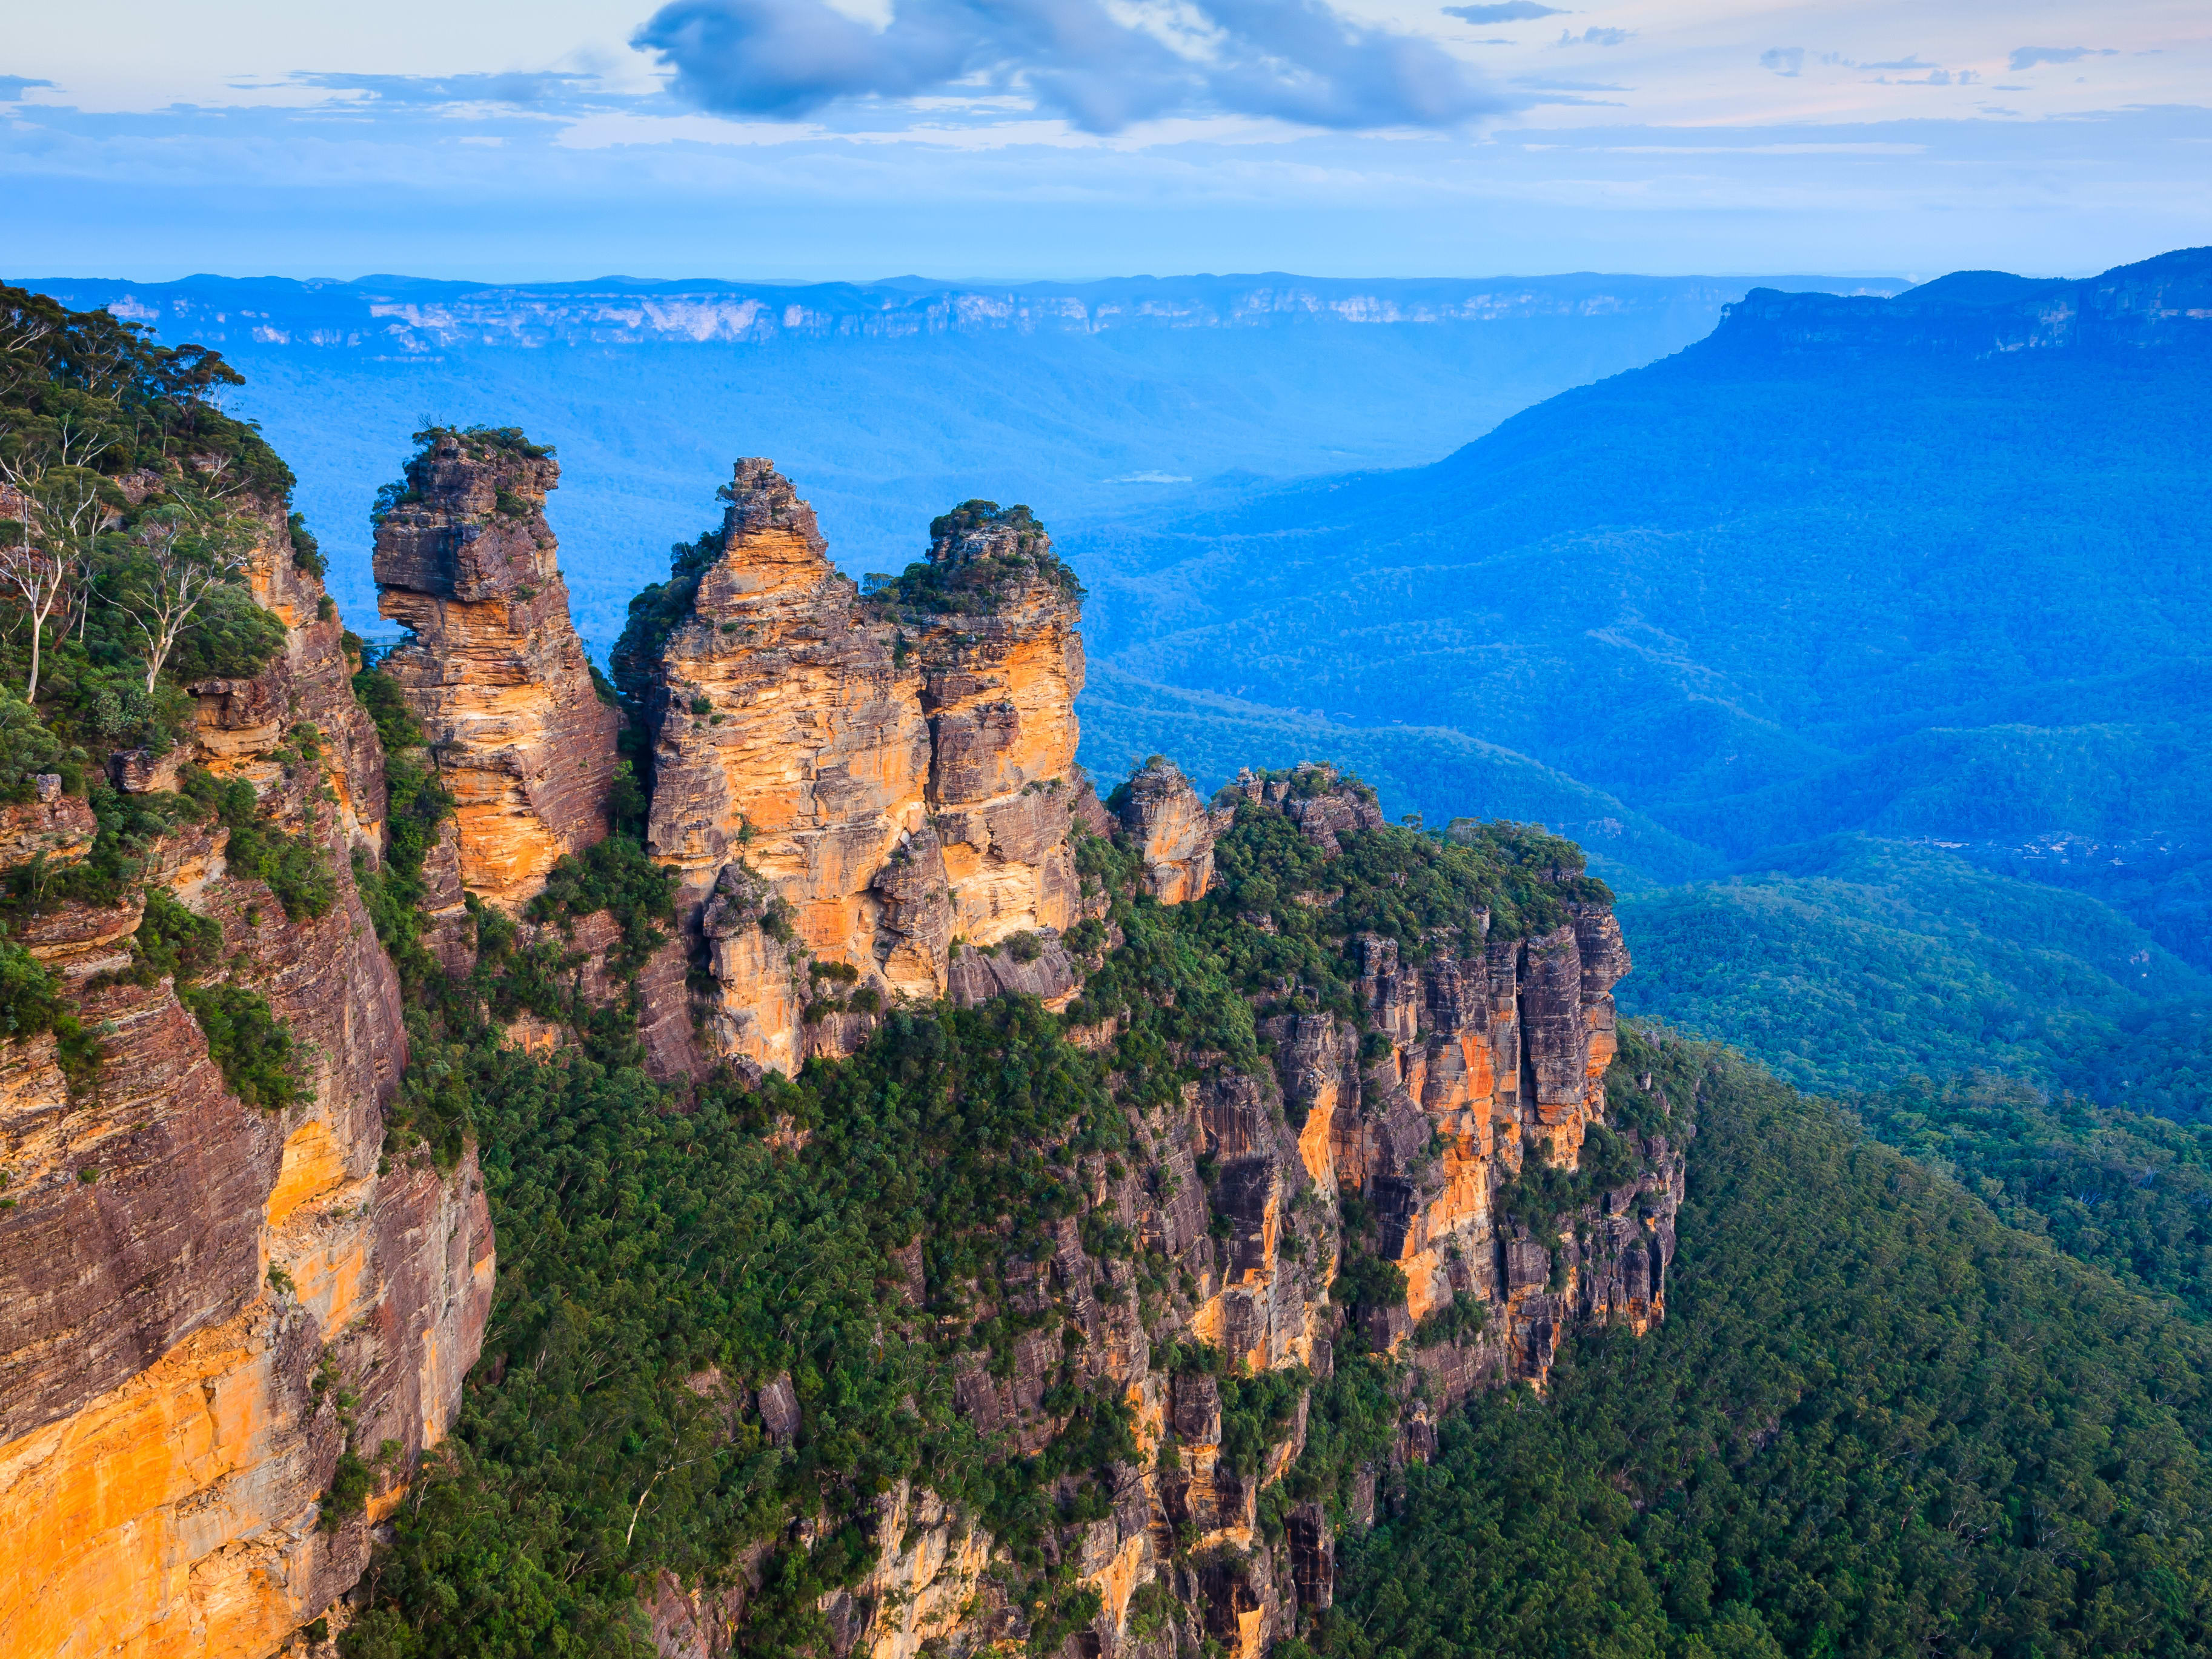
(135, 503)
(1875, 1421)
(255, 1049)
(663, 1257)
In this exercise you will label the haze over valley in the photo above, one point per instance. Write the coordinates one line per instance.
(1310, 958)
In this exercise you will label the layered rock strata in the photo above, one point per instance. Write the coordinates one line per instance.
(493, 668)
(853, 784)
(1173, 829)
(195, 1286)
(872, 796)
(1494, 1052)
(864, 797)
(992, 619)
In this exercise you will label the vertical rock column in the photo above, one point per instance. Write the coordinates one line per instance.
(994, 616)
(495, 670)
(790, 759)
(856, 782)
(1173, 831)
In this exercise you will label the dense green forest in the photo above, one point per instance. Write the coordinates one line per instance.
(662, 1252)
(2131, 1193)
(1877, 1420)
(2027, 1040)
(1851, 963)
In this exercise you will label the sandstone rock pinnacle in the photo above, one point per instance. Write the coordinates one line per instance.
(1174, 832)
(889, 773)
(495, 671)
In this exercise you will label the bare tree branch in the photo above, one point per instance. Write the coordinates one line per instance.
(184, 553)
(61, 509)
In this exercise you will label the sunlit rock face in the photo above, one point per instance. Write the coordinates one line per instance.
(862, 797)
(493, 669)
(1452, 1074)
(855, 782)
(1173, 831)
(193, 1284)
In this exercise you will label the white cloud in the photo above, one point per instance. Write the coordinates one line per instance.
(1102, 68)
(612, 128)
(315, 130)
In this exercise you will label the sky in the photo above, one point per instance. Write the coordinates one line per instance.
(1016, 139)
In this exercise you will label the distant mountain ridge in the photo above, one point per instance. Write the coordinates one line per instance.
(879, 398)
(2163, 303)
(1932, 566)
(414, 315)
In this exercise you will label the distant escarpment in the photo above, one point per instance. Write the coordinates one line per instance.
(2163, 303)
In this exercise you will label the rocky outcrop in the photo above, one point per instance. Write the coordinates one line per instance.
(855, 782)
(1499, 1057)
(493, 669)
(210, 1302)
(1478, 1058)
(863, 798)
(50, 825)
(1311, 797)
(790, 763)
(1027, 964)
(1173, 831)
(992, 619)
(873, 796)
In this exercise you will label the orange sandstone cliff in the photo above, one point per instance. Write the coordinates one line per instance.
(209, 1302)
(863, 800)
(886, 782)
(873, 796)
(493, 668)
(851, 783)
(1457, 1071)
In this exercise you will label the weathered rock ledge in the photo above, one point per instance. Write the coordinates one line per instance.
(193, 1284)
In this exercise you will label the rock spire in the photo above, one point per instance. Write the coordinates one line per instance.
(847, 784)
(493, 669)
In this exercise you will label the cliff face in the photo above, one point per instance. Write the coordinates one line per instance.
(1483, 1060)
(850, 785)
(223, 1312)
(873, 797)
(208, 1301)
(495, 671)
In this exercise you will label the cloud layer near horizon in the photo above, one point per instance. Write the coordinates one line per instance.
(1292, 60)
(1075, 138)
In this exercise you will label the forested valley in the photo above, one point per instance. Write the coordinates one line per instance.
(1131, 1223)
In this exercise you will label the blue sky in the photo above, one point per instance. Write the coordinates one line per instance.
(858, 139)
